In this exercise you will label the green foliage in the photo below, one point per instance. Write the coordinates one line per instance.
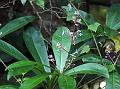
(15, 25)
(9, 49)
(61, 43)
(113, 82)
(94, 26)
(66, 82)
(113, 17)
(109, 32)
(40, 3)
(85, 49)
(82, 35)
(8, 87)
(62, 74)
(35, 44)
(33, 81)
(19, 68)
(88, 68)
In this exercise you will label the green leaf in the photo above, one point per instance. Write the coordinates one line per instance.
(114, 81)
(94, 26)
(89, 68)
(109, 32)
(70, 16)
(83, 35)
(40, 3)
(33, 81)
(35, 44)
(67, 82)
(113, 17)
(20, 67)
(61, 43)
(12, 51)
(91, 58)
(15, 25)
(69, 10)
(8, 87)
(87, 19)
(23, 1)
(85, 49)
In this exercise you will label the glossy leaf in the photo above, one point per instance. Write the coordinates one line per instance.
(40, 3)
(93, 58)
(8, 87)
(12, 51)
(89, 68)
(35, 44)
(61, 43)
(15, 25)
(113, 17)
(67, 82)
(33, 81)
(20, 67)
(114, 81)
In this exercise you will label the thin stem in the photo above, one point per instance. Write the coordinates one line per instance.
(51, 13)
(37, 13)
(90, 31)
(55, 82)
(81, 80)
(7, 4)
(117, 59)
(96, 44)
(89, 82)
(6, 67)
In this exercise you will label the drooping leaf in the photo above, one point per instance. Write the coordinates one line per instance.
(8, 87)
(20, 67)
(12, 51)
(114, 81)
(15, 25)
(89, 68)
(22, 63)
(35, 44)
(61, 43)
(40, 3)
(85, 49)
(67, 82)
(23, 1)
(33, 81)
(113, 17)
(82, 36)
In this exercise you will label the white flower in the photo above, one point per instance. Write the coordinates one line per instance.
(58, 45)
(103, 84)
